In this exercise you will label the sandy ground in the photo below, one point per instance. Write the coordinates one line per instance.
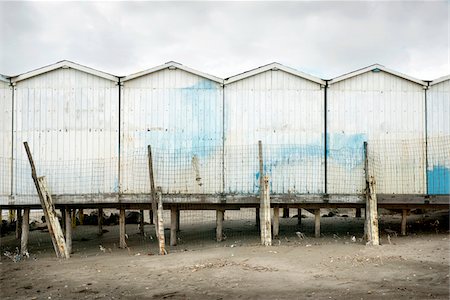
(331, 267)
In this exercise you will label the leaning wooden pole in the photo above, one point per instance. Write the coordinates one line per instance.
(152, 189)
(45, 198)
(371, 222)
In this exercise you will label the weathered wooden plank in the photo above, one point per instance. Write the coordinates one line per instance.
(371, 222)
(153, 191)
(404, 218)
(317, 223)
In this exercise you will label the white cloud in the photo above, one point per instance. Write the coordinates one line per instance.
(325, 39)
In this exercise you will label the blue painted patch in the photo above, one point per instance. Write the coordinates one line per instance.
(346, 149)
(193, 121)
(438, 180)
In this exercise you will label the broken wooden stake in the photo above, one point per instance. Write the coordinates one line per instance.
(25, 231)
(122, 229)
(159, 218)
(48, 207)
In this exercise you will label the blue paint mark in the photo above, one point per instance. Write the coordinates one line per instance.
(346, 149)
(438, 180)
(193, 121)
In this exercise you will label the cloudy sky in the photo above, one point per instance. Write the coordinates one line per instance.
(325, 39)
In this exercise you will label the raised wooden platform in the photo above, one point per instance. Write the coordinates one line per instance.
(230, 201)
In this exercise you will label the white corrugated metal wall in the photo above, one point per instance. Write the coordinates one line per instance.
(285, 112)
(5, 138)
(70, 120)
(438, 124)
(369, 107)
(179, 114)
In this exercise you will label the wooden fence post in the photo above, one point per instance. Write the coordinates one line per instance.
(219, 225)
(266, 231)
(317, 223)
(69, 230)
(161, 237)
(276, 221)
(100, 221)
(173, 225)
(371, 221)
(19, 223)
(25, 231)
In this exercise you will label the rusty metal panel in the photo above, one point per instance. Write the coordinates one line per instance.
(389, 113)
(5, 138)
(438, 124)
(286, 113)
(70, 120)
(179, 114)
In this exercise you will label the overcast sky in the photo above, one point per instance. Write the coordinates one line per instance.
(325, 39)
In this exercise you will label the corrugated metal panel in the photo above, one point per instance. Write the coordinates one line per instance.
(376, 106)
(438, 124)
(180, 115)
(5, 138)
(70, 120)
(286, 113)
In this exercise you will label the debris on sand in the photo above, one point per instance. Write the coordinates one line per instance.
(353, 239)
(102, 248)
(16, 256)
(391, 232)
(300, 235)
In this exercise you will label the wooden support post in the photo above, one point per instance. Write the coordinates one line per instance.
(358, 212)
(48, 207)
(371, 222)
(159, 218)
(404, 217)
(299, 216)
(74, 218)
(122, 229)
(150, 215)
(25, 231)
(286, 212)
(141, 222)
(81, 216)
(219, 225)
(173, 226)
(19, 224)
(11, 215)
(100, 221)
(69, 227)
(257, 217)
(178, 219)
(276, 221)
(317, 223)
(153, 190)
(63, 220)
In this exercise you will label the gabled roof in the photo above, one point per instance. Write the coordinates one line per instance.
(63, 65)
(379, 68)
(273, 66)
(172, 65)
(4, 78)
(440, 79)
